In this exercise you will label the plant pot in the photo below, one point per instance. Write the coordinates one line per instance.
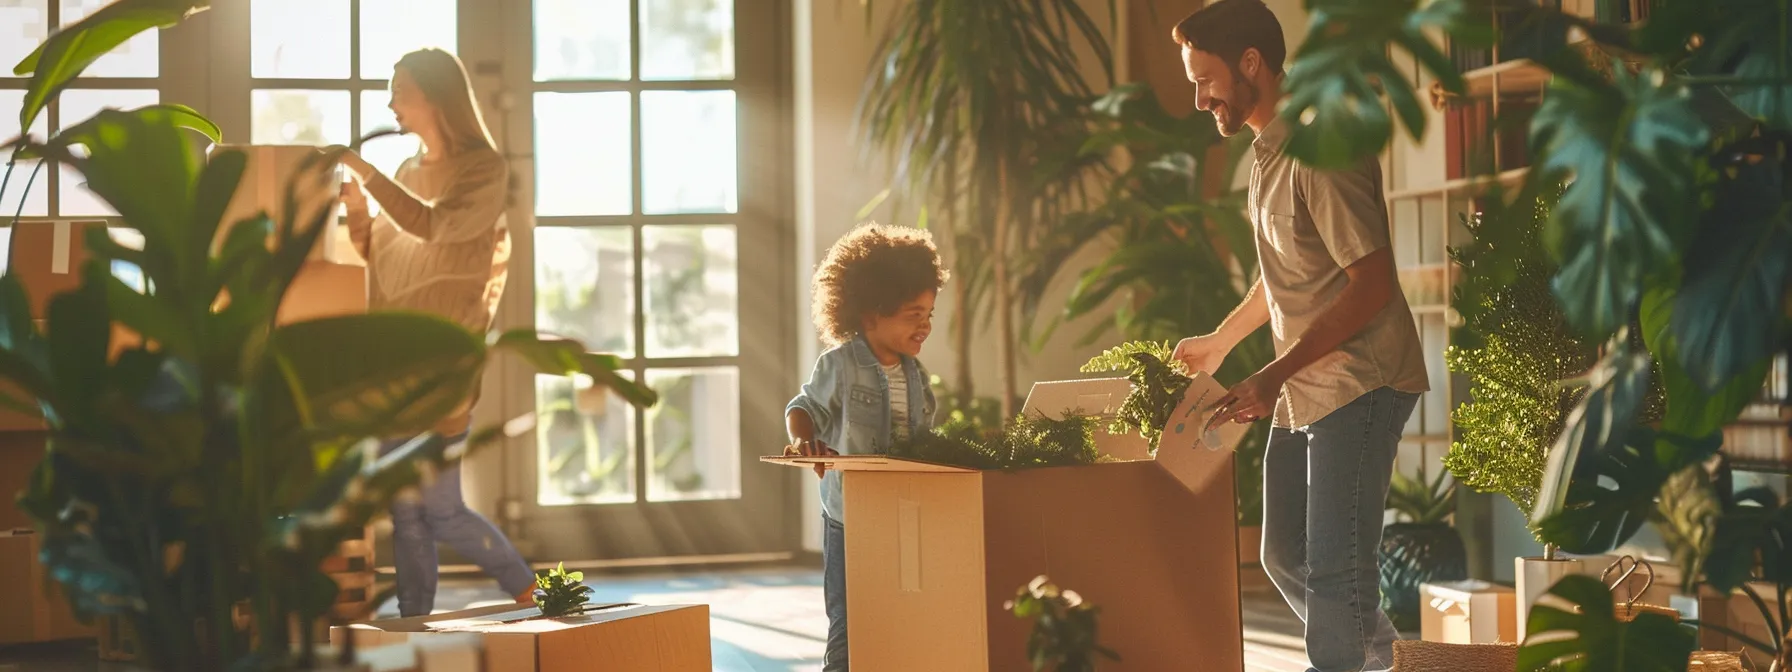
(1534, 577)
(1413, 554)
(1250, 545)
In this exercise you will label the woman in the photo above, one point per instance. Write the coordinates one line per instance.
(439, 245)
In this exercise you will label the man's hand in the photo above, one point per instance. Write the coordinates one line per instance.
(810, 448)
(1202, 354)
(1248, 401)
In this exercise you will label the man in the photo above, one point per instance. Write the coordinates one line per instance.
(1349, 369)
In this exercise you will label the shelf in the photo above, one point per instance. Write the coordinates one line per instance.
(1464, 186)
(1519, 75)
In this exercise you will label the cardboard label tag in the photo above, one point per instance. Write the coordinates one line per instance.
(908, 544)
(1187, 426)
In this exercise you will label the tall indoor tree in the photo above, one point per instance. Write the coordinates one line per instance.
(968, 97)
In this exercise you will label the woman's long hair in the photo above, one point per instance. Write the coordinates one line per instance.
(444, 83)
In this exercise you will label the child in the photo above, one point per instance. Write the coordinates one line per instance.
(873, 302)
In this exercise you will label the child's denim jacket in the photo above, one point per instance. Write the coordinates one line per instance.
(848, 398)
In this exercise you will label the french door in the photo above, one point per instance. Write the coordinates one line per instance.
(655, 184)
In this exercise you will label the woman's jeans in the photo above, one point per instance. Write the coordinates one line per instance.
(439, 515)
(1324, 489)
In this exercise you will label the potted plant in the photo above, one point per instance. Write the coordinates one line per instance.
(1420, 549)
(1065, 633)
(207, 470)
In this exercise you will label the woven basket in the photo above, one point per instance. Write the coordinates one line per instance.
(1628, 612)
(1420, 656)
(1714, 661)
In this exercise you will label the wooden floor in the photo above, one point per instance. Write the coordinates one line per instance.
(766, 620)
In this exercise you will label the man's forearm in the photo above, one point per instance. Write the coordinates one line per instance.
(1251, 314)
(1356, 305)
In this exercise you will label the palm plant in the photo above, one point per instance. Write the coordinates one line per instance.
(1179, 252)
(209, 469)
(969, 97)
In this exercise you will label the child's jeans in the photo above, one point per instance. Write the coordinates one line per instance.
(439, 515)
(833, 592)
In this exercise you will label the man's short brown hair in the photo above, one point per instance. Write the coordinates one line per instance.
(872, 270)
(1228, 28)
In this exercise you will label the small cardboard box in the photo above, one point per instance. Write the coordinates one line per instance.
(324, 289)
(1468, 612)
(933, 551)
(625, 638)
(33, 608)
(1735, 612)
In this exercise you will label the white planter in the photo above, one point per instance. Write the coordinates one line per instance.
(1535, 577)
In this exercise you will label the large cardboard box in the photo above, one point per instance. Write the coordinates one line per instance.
(33, 608)
(46, 256)
(625, 638)
(933, 551)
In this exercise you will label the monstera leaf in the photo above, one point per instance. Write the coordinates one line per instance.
(1726, 318)
(1755, 528)
(1591, 638)
(1744, 39)
(1691, 411)
(1334, 109)
(1627, 144)
(1601, 423)
(1596, 518)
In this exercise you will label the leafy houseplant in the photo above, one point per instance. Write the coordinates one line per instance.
(215, 464)
(1064, 637)
(1177, 250)
(1672, 246)
(1421, 549)
(561, 593)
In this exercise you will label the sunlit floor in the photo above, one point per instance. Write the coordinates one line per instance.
(762, 620)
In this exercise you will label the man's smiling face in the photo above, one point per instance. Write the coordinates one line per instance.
(1220, 89)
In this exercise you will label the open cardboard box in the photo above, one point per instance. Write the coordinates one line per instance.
(32, 608)
(624, 638)
(933, 551)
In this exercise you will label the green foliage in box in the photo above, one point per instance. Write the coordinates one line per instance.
(561, 593)
(1024, 442)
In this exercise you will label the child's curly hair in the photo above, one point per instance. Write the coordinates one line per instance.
(874, 268)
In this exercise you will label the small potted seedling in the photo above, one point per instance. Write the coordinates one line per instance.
(561, 593)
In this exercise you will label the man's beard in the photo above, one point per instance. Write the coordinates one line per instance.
(1246, 99)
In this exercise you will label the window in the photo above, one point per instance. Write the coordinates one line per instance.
(320, 70)
(636, 245)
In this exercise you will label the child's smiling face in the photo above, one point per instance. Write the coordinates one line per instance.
(904, 332)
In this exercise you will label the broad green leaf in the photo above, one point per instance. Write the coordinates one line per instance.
(1627, 145)
(1726, 318)
(1597, 518)
(1335, 85)
(1602, 422)
(1746, 39)
(1596, 641)
(568, 357)
(68, 52)
(1691, 411)
(142, 166)
(1755, 529)
(80, 332)
(80, 134)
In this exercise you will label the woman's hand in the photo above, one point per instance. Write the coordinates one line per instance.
(357, 165)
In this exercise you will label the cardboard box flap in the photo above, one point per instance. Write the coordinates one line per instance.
(432, 621)
(1187, 450)
(1100, 397)
(867, 463)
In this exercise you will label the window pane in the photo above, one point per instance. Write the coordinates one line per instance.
(585, 286)
(687, 152)
(388, 152)
(37, 200)
(585, 442)
(582, 162)
(692, 291)
(581, 39)
(687, 39)
(73, 198)
(693, 434)
(392, 28)
(295, 117)
(299, 38)
(139, 56)
(23, 25)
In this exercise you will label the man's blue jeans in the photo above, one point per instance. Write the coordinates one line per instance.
(439, 515)
(833, 592)
(1324, 489)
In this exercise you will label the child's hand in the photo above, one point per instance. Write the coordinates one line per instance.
(806, 448)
